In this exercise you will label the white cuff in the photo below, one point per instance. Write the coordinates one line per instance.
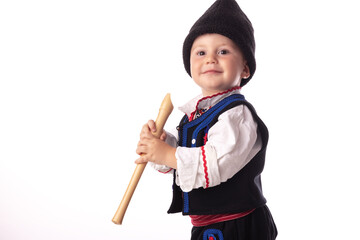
(161, 168)
(213, 173)
(187, 167)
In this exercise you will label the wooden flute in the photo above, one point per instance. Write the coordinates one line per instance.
(164, 112)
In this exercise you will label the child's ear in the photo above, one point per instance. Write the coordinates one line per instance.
(246, 72)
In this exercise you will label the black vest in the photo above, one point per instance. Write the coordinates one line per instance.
(241, 192)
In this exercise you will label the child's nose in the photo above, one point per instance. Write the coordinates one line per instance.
(211, 59)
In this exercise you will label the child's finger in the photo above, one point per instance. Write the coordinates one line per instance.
(140, 160)
(146, 132)
(152, 125)
(141, 149)
(163, 136)
(138, 151)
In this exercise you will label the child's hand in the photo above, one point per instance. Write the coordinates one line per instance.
(153, 149)
(150, 128)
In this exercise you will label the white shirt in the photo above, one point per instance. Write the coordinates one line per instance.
(232, 142)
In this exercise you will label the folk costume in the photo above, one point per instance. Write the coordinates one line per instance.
(220, 146)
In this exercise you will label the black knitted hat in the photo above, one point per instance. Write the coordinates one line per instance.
(226, 18)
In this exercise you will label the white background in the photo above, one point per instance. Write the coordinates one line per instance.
(78, 79)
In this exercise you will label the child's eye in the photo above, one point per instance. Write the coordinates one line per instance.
(201, 53)
(223, 52)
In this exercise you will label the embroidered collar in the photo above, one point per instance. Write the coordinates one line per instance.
(200, 102)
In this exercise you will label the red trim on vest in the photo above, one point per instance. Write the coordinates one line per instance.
(205, 162)
(205, 167)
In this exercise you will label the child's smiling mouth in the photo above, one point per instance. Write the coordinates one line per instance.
(211, 71)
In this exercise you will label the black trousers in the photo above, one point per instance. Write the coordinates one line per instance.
(258, 225)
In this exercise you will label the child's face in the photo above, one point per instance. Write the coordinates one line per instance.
(216, 64)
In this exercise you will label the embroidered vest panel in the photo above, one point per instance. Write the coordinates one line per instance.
(241, 192)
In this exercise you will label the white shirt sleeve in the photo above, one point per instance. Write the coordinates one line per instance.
(232, 142)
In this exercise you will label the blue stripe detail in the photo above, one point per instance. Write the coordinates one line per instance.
(208, 119)
(212, 233)
(210, 116)
(204, 121)
(186, 202)
(222, 104)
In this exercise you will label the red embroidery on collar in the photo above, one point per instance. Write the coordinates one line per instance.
(207, 97)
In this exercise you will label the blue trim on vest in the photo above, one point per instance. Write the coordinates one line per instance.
(186, 202)
(206, 118)
(211, 233)
(212, 112)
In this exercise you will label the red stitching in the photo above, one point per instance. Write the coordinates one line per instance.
(204, 160)
(205, 137)
(205, 168)
(166, 171)
(217, 94)
(192, 116)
